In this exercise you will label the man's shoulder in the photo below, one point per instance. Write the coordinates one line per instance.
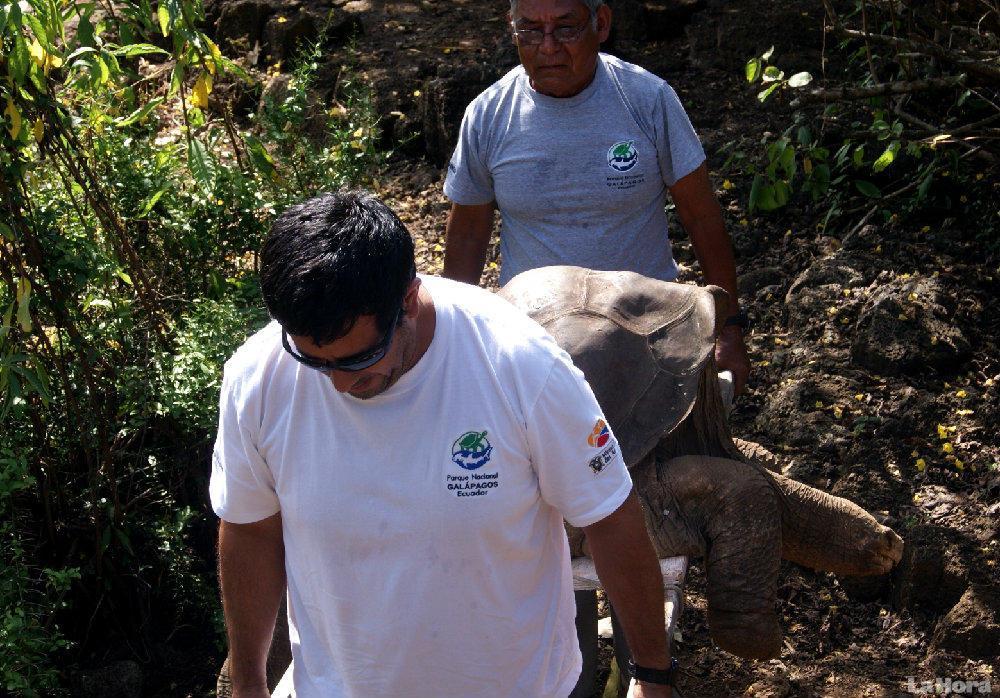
(254, 358)
(504, 88)
(507, 330)
(635, 79)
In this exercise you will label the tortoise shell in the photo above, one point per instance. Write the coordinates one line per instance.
(641, 343)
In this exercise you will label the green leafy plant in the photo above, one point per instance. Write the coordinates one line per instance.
(132, 206)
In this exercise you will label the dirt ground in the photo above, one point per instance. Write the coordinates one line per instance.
(875, 368)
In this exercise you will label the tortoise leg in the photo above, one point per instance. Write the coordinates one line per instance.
(729, 512)
(832, 534)
(824, 532)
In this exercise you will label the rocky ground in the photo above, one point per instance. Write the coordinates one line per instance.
(874, 363)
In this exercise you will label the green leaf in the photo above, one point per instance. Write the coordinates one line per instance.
(82, 51)
(236, 70)
(925, 186)
(6, 232)
(140, 113)
(150, 203)
(859, 156)
(804, 135)
(163, 15)
(85, 31)
(20, 60)
(39, 31)
(887, 157)
(772, 73)
(782, 193)
(758, 183)
(787, 161)
(133, 50)
(800, 80)
(753, 69)
(32, 380)
(765, 93)
(868, 189)
(176, 77)
(202, 164)
(262, 160)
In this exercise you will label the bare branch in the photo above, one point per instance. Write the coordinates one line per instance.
(883, 89)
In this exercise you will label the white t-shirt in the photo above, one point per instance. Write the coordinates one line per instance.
(424, 546)
(578, 180)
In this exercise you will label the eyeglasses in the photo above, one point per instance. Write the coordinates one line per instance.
(358, 362)
(562, 35)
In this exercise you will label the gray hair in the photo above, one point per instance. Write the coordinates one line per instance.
(592, 5)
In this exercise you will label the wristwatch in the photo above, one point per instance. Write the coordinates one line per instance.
(740, 319)
(663, 677)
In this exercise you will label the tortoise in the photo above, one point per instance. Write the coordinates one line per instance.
(646, 348)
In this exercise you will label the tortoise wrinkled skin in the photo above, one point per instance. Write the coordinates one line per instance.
(646, 347)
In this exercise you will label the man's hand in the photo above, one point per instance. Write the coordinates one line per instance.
(638, 689)
(731, 355)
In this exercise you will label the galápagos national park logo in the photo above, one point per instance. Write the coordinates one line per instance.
(622, 156)
(599, 435)
(471, 450)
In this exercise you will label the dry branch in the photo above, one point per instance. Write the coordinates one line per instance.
(882, 89)
(974, 65)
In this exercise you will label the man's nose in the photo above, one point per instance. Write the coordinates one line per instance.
(549, 44)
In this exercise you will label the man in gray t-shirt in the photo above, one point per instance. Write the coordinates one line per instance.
(577, 150)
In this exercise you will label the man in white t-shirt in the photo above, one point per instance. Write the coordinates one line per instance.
(401, 452)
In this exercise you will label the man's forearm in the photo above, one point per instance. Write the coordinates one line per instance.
(252, 577)
(630, 573)
(467, 239)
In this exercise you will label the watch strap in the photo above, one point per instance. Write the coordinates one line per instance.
(663, 677)
(740, 319)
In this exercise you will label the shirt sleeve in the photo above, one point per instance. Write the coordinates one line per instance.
(678, 147)
(469, 182)
(576, 457)
(242, 486)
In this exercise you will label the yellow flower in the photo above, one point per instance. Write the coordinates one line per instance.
(961, 394)
(921, 466)
(727, 185)
(942, 431)
(947, 448)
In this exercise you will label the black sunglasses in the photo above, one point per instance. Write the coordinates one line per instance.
(358, 362)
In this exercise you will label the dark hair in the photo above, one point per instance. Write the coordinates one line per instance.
(330, 260)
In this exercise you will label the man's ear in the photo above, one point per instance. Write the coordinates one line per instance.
(603, 22)
(410, 298)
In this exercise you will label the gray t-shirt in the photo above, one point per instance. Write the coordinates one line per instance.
(578, 180)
